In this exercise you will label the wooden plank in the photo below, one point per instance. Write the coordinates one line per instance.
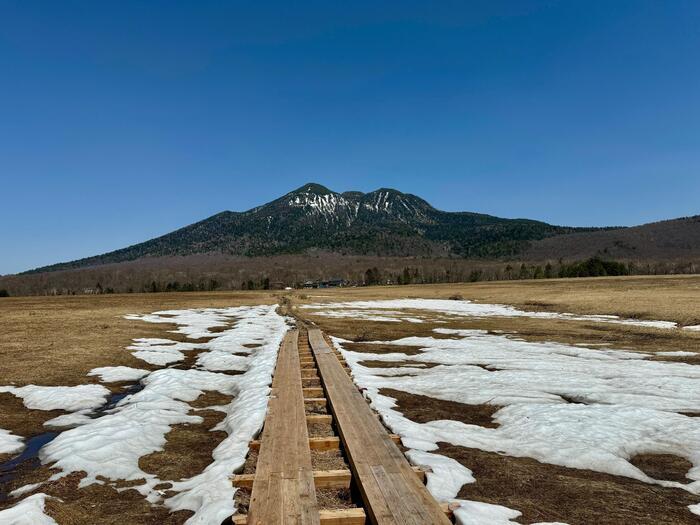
(313, 391)
(392, 493)
(319, 418)
(323, 443)
(316, 401)
(315, 443)
(327, 517)
(343, 517)
(336, 479)
(283, 488)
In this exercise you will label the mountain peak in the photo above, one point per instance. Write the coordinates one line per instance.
(382, 222)
(313, 188)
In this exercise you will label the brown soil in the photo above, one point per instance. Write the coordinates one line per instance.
(102, 504)
(545, 492)
(423, 409)
(211, 398)
(396, 364)
(188, 449)
(382, 349)
(663, 466)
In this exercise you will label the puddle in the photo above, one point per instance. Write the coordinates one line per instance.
(30, 454)
(29, 457)
(113, 399)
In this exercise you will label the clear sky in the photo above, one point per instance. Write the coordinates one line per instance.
(121, 121)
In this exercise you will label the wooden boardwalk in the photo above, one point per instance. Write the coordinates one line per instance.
(392, 493)
(283, 489)
(311, 386)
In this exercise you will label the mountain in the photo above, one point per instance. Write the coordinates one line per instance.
(675, 239)
(384, 222)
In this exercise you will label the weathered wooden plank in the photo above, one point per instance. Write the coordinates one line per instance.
(327, 517)
(283, 487)
(319, 418)
(392, 493)
(313, 391)
(335, 479)
(323, 443)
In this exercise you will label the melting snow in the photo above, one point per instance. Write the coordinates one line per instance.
(70, 398)
(478, 513)
(10, 443)
(114, 374)
(111, 446)
(565, 405)
(24, 489)
(29, 511)
(464, 308)
(446, 475)
(70, 420)
(160, 352)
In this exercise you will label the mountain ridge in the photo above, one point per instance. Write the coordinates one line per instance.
(383, 222)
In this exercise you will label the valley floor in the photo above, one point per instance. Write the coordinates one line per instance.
(547, 410)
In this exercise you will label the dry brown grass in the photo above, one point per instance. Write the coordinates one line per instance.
(673, 298)
(57, 340)
(424, 409)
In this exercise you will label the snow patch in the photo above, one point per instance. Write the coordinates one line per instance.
(446, 475)
(9, 442)
(114, 374)
(478, 513)
(70, 420)
(161, 352)
(24, 489)
(29, 511)
(467, 309)
(70, 398)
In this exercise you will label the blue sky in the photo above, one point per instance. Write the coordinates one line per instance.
(122, 121)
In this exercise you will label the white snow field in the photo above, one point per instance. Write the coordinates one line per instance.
(386, 310)
(109, 446)
(577, 407)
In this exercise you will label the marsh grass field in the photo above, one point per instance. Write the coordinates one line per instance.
(57, 341)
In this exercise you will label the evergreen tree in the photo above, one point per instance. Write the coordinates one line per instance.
(548, 271)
